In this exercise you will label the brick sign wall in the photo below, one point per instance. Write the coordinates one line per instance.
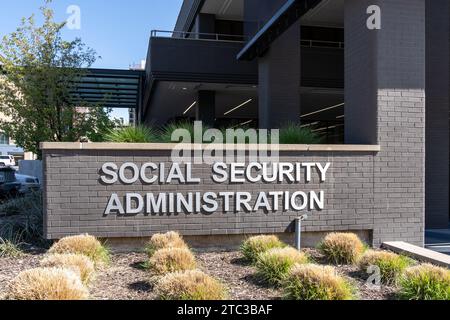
(76, 198)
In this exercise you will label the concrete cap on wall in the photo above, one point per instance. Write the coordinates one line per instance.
(171, 146)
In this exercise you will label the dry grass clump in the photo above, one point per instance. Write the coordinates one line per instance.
(78, 263)
(87, 245)
(342, 248)
(273, 265)
(164, 241)
(425, 282)
(169, 260)
(190, 285)
(47, 284)
(252, 247)
(313, 282)
(391, 265)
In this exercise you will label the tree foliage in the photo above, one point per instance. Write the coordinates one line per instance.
(40, 72)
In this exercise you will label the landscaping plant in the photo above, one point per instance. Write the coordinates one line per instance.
(190, 285)
(26, 225)
(164, 241)
(9, 249)
(391, 265)
(83, 244)
(80, 264)
(166, 134)
(294, 133)
(47, 284)
(273, 265)
(425, 282)
(169, 260)
(252, 247)
(313, 282)
(138, 134)
(342, 248)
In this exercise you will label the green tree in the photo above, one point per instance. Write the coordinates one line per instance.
(39, 74)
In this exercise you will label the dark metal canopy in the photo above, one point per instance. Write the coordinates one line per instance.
(288, 14)
(110, 88)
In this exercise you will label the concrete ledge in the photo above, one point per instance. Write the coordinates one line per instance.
(171, 146)
(418, 253)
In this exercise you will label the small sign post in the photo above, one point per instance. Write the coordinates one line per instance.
(298, 231)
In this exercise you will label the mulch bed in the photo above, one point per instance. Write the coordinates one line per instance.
(127, 279)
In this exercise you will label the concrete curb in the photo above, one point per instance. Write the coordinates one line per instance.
(418, 253)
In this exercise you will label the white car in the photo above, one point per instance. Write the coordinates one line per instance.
(7, 161)
(28, 184)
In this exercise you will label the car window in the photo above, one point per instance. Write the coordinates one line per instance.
(29, 180)
(4, 157)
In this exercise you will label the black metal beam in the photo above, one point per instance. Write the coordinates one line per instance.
(289, 13)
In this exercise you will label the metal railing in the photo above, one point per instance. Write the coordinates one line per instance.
(197, 36)
(237, 38)
(322, 44)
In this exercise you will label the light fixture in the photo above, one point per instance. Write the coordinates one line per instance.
(326, 128)
(242, 124)
(323, 110)
(309, 125)
(340, 117)
(190, 107)
(239, 106)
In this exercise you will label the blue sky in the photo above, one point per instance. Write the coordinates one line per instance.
(117, 29)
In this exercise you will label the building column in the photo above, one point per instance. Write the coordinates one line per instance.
(205, 24)
(385, 105)
(280, 81)
(206, 107)
(438, 101)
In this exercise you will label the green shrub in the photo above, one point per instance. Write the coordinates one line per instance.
(164, 241)
(27, 220)
(273, 265)
(295, 134)
(312, 282)
(425, 282)
(190, 285)
(138, 134)
(391, 265)
(342, 248)
(82, 244)
(253, 246)
(9, 249)
(165, 135)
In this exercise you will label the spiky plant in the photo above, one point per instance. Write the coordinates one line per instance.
(138, 134)
(294, 133)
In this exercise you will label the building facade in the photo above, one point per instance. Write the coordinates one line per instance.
(373, 77)
(321, 63)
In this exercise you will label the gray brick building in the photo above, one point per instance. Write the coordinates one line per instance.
(373, 77)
